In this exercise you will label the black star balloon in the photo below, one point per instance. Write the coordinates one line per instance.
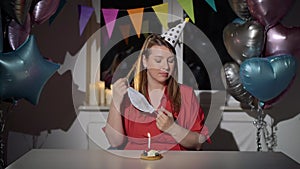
(24, 72)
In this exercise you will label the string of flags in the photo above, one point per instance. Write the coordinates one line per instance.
(136, 16)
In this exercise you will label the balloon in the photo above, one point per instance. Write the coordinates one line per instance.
(266, 78)
(243, 41)
(24, 72)
(240, 8)
(238, 21)
(280, 39)
(269, 12)
(43, 10)
(269, 103)
(17, 34)
(233, 84)
(59, 8)
(16, 9)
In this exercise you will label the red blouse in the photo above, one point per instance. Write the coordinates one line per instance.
(137, 124)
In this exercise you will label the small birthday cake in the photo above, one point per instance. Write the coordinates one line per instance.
(151, 155)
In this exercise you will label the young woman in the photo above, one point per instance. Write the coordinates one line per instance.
(179, 123)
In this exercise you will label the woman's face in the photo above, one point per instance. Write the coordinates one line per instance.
(160, 64)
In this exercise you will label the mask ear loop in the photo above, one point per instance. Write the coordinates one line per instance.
(129, 73)
(135, 64)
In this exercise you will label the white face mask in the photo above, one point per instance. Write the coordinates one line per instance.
(139, 101)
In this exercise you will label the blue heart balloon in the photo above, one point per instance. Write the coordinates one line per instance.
(24, 72)
(266, 78)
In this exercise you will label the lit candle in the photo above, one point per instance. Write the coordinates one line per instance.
(149, 140)
(101, 85)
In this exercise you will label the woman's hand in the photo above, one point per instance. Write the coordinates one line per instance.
(164, 120)
(119, 91)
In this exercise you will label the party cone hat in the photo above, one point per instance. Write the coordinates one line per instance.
(173, 34)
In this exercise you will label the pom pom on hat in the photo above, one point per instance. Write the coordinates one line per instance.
(173, 34)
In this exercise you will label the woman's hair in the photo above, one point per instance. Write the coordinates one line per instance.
(140, 78)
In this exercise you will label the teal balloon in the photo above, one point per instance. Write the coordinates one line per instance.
(24, 72)
(239, 21)
(266, 78)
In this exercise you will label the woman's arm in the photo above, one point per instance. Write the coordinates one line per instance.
(114, 126)
(185, 137)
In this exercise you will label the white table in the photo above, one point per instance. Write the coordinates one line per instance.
(98, 159)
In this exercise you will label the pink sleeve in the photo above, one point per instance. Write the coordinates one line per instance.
(198, 125)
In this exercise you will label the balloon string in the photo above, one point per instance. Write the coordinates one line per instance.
(5, 111)
(260, 124)
(258, 139)
(262, 130)
(2, 140)
(271, 138)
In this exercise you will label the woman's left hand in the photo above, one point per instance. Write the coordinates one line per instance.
(164, 119)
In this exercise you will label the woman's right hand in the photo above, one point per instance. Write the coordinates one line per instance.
(119, 91)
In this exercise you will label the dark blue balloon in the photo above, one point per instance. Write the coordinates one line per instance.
(24, 72)
(266, 78)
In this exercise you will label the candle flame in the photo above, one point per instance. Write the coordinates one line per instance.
(149, 135)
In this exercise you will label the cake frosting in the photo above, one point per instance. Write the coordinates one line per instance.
(151, 155)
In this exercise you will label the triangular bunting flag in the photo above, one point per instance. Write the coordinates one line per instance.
(125, 30)
(212, 4)
(162, 13)
(85, 14)
(136, 16)
(96, 4)
(110, 16)
(188, 7)
(145, 28)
